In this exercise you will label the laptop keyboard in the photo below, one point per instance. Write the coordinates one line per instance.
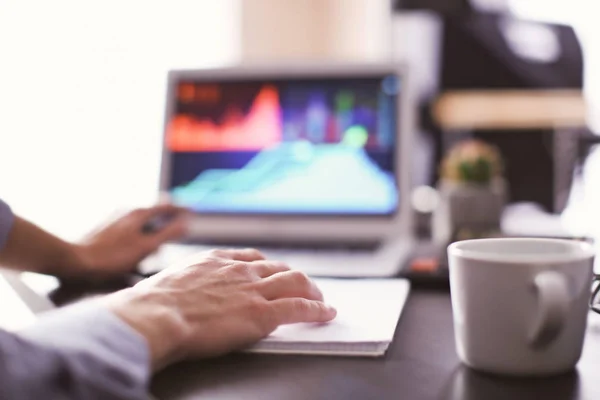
(272, 249)
(282, 251)
(293, 246)
(173, 252)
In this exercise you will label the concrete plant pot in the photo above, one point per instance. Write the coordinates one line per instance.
(468, 207)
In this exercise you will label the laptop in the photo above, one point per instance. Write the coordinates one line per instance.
(309, 164)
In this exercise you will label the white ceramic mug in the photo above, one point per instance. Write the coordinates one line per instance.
(520, 305)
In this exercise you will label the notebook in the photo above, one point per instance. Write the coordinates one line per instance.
(368, 312)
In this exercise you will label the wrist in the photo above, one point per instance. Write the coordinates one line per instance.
(69, 261)
(153, 315)
(80, 263)
(80, 259)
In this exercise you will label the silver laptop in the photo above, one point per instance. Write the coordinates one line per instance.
(309, 164)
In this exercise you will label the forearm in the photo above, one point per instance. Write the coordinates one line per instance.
(31, 248)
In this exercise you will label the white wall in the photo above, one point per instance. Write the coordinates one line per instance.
(81, 98)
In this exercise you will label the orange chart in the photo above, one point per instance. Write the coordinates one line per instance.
(260, 128)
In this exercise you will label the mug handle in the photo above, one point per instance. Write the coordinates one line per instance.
(553, 306)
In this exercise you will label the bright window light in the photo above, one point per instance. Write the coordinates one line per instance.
(82, 87)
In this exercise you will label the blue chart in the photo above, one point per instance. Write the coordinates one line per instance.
(292, 177)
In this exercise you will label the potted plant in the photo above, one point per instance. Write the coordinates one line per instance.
(472, 192)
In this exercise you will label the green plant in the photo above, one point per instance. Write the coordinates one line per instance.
(472, 161)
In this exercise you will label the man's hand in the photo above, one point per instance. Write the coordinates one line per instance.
(121, 245)
(217, 302)
(112, 250)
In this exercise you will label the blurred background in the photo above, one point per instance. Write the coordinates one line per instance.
(82, 89)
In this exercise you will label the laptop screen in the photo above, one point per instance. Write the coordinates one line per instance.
(284, 146)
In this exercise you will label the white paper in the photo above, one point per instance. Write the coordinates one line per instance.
(368, 312)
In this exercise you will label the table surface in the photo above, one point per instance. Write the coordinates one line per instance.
(421, 363)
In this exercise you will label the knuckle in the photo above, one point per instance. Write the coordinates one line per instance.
(257, 306)
(282, 265)
(241, 268)
(300, 278)
(254, 253)
(217, 253)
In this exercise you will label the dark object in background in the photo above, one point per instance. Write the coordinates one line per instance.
(428, 266)
(495, 51)
(480, 52)
(587, 142)
(477, 55)
(451, 7)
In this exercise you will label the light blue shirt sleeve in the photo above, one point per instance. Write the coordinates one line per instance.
(79, 352)
(6, 222)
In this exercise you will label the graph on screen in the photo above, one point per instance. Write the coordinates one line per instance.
(259, 128)
(293, 176)
(298, 146)
(333, 116)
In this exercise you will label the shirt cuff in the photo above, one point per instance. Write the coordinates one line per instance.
(6, 222)
(94, 332)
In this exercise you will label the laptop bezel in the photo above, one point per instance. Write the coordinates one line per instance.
(283, 228)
